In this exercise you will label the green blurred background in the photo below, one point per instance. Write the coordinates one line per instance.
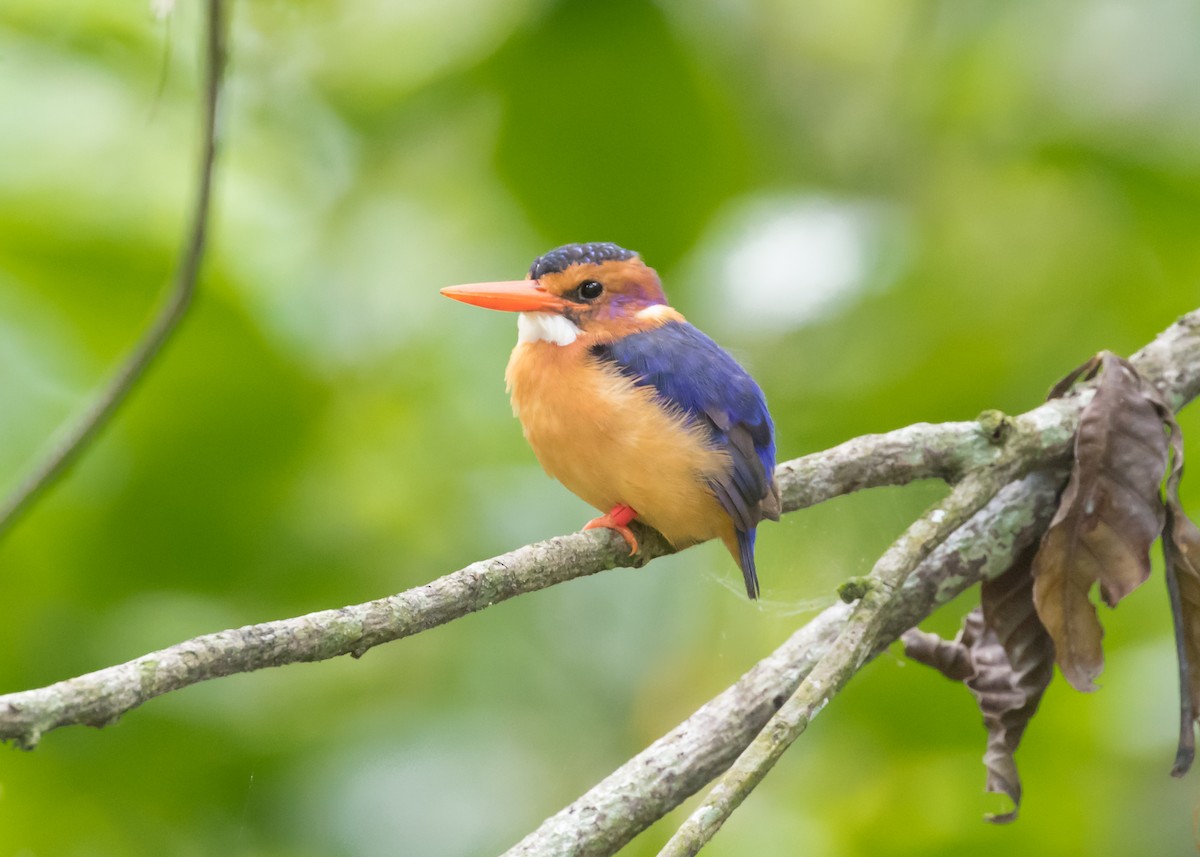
(890, 212)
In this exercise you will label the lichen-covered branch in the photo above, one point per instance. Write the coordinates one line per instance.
(856, 641)
(1041, 436)
(684, 760)
(99, 697)
(76, 436)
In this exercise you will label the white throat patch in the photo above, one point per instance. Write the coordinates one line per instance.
(547, 327)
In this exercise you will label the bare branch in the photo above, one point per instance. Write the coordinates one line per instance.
(922, 451)
(100, 697)
(1041, 436)
(680, 763)
(76, 436)
(855, 643)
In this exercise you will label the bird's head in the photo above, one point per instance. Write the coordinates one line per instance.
(599, 291)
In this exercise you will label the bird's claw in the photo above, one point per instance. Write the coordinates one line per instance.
(618, 518)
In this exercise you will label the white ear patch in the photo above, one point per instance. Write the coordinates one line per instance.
(547, 327)
(658, 312)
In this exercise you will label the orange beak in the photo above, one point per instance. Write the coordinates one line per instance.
(511, 296)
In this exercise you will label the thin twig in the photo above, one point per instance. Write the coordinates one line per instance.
(1186, 748)
(78, 435)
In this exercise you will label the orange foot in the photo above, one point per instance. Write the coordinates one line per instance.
(618, 519)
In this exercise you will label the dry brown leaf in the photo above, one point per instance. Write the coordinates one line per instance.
(1181, 559)
(952, 658)
(1006, 660)
(1019, 679)
(1086, 371)
(1109, 515)
(1181, 552)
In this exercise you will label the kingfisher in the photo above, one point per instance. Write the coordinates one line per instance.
(632, 408)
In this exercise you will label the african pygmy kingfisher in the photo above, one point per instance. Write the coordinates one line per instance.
(632, 408)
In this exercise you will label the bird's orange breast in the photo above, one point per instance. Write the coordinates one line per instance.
(610, 441)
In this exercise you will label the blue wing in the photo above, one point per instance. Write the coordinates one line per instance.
(693, 374)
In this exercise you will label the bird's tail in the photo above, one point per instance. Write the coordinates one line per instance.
(745, 559)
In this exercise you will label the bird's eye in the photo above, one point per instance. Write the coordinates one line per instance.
(589, 290)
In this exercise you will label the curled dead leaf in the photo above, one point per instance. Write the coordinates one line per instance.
(1181, 561)
(1109, 516)
(1005, 657)
(1181, 553)
(1110, 513)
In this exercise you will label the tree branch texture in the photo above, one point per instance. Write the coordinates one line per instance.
(855, 642)
(100, 697)
(1040, 438)
(680, 763)
(76, 436)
